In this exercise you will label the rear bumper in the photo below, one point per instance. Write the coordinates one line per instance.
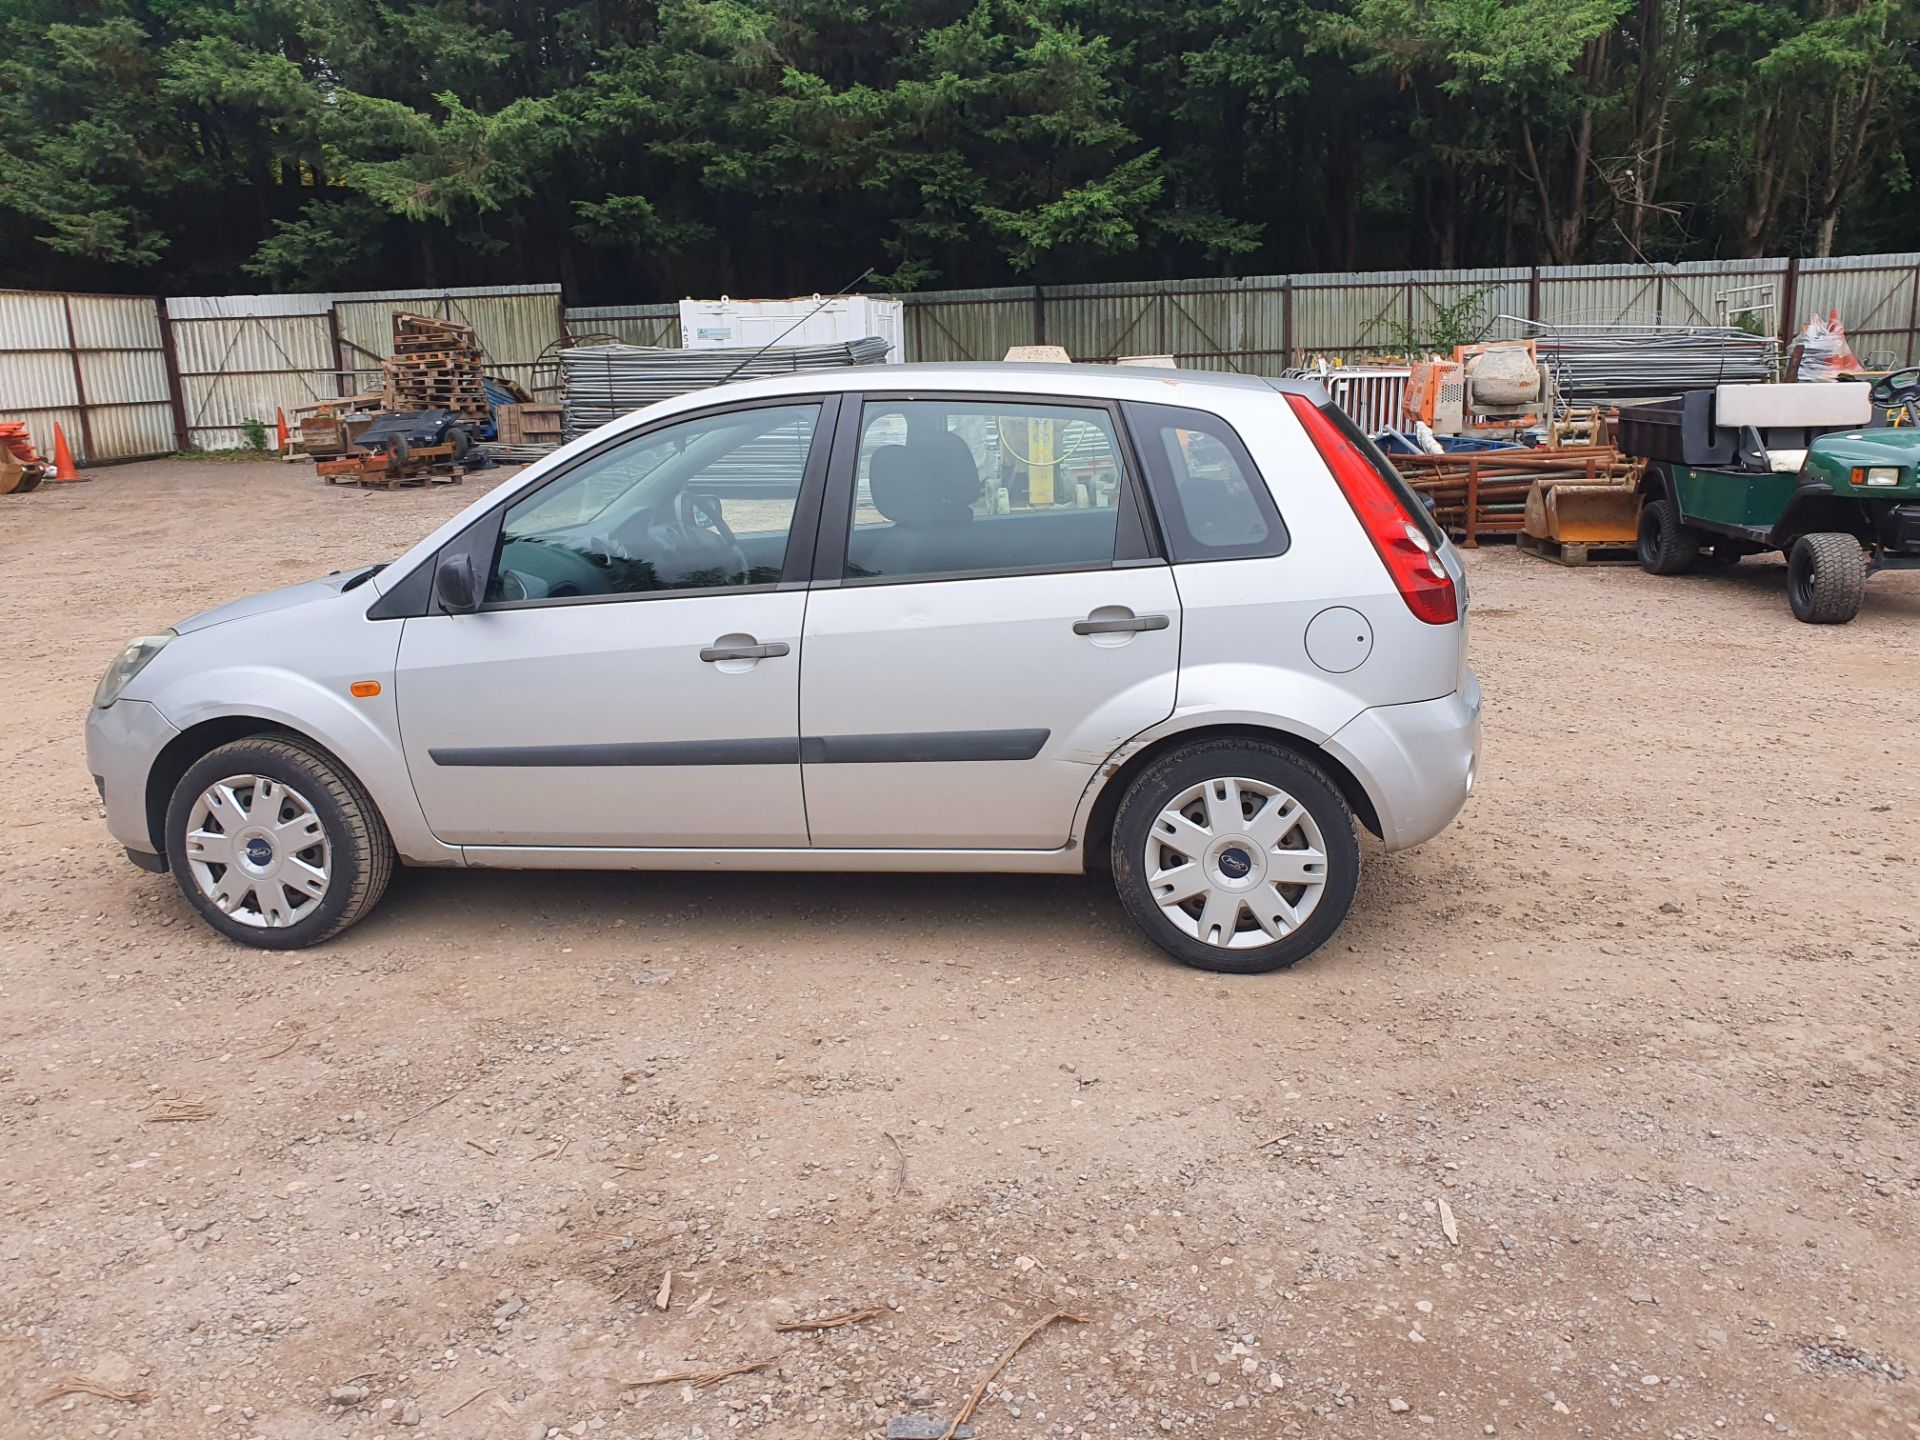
(1417, 762)
(123, 741)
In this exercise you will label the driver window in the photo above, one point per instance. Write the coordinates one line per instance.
(698, 505)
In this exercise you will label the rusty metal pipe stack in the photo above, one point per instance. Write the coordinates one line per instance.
(1485, 492)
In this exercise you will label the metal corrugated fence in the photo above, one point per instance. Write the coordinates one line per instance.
(1263, 324)
(92, 364)
(100, 365)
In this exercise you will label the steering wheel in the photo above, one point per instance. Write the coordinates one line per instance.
(692, 518)
(1901, 384)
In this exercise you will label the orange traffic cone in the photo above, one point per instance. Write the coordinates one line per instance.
(280, 428)
(63, 458)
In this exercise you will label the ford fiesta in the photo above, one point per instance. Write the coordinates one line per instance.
(1183, 628)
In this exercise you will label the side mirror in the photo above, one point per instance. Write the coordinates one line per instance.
(453, 583)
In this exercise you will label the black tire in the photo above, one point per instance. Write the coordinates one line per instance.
(1826, 578)
(361, 851)
(1209, 760)
(1666, 545)
(461, 442)
(399, 453)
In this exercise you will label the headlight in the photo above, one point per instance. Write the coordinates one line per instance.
(1884, 475)
(127, 664)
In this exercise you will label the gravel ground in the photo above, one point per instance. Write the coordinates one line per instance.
(1639, 1030)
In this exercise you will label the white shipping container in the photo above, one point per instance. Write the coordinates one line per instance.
(804, 320)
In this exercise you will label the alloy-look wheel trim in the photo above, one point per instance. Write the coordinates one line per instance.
(1235, 863)
(258, 851)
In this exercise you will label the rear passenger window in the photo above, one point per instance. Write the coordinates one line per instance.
(1212, 503)
(948, 488)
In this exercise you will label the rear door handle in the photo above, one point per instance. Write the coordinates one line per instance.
(1121, 625)
(771, 651)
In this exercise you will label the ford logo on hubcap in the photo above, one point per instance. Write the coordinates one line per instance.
(259, 852)
(1235, 864)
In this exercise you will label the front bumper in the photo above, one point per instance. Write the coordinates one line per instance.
(1417, 762)
(123, 741)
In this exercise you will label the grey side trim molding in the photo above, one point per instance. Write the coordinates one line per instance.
(771, 751)
(932, 747)
(927, 747)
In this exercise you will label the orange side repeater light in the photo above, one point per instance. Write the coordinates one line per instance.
(364, 689)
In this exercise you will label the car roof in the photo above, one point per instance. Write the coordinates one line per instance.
(1111, 382)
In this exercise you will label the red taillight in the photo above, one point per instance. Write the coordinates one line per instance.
(1417, 573)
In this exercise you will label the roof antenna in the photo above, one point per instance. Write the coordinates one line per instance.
(797, 324)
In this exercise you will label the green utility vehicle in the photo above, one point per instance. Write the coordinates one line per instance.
(1809, 470)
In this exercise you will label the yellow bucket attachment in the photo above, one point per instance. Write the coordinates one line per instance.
(1583, 514)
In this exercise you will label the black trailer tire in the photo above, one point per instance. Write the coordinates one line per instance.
(347, 845)
(1826, 578)
(1276, 772)
(399, 453)
(1666, 546)
(461, 442)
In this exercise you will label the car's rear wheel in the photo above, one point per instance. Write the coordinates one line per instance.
(1235, 855)
(1667, 546)
(1826, 578)
(275, 844)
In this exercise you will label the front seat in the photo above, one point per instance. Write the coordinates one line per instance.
(926, 487)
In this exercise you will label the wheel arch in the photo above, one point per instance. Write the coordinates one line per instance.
(1656, 482)
(186, 749)
(1116, 777)
(1811, 513)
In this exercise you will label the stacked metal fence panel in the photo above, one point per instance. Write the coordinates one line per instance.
(604, 382)
(1602, 363)
(1374, 396)
(95, 365)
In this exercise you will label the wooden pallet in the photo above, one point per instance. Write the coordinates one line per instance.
(435, 365)
(380, 480)
(430, 465)
(1579, 552)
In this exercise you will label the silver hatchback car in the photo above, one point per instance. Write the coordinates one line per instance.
(1182, 627)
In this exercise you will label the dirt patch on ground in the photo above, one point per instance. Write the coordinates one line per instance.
(1641, 1025)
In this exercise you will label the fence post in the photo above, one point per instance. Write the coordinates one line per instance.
(1039, 316)
(1913, 317)
(175, 397)
(79, 383)
(1533, 294)
(1789, 303)
(339, 360)
(1286, 322)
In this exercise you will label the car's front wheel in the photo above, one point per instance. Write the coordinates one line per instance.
(275, 844)
(1235, 855)
(1826, 578)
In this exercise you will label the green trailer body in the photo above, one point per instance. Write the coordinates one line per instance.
(1742, 502)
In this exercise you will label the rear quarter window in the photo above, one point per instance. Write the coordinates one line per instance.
(1210, 498)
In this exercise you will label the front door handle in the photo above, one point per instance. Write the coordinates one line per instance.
(1121, 625)
(771, 651)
